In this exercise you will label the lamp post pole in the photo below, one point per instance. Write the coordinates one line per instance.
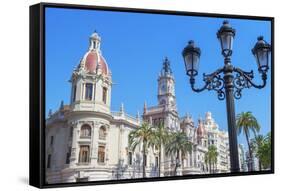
(230, 108)
(227, 85)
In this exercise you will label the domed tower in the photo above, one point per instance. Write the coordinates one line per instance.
(91, 80)
(201, 134)
(166, 86)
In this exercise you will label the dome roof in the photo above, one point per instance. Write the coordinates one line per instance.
(200, 130)
(94, 59)
(208, 115)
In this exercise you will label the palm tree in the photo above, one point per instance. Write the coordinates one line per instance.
(247, 123)
(160, 138)
(207, 161)
(257, 145)
(141, 136)
(211, 157)
(178, 143)
(263, 151)
(266, 159)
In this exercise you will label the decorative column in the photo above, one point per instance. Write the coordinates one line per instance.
(92, 151)
(74, 149)
(94, 155)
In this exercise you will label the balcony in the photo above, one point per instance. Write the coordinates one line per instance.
(123, 116)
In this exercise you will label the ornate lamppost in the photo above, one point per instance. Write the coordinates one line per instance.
(228, 81)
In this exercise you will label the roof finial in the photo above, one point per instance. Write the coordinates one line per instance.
(95, 40)
(166, 66)
(138, 116)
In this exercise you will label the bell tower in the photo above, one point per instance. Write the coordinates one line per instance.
(166, 86)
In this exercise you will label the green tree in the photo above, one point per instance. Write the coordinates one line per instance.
(160, 138)
(211, 157)
(263, 150)
(247, 123)
(266, 159)
(257, 147)
(178, 144)
(141, 136)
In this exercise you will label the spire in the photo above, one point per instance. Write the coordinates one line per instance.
(138, 116)
(166, 67)
(50, 113)
(95, 40)
(144, 107)
(61, 105)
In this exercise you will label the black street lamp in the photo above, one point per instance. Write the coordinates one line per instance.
(227, 85)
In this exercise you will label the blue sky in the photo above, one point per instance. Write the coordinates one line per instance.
(135, 45)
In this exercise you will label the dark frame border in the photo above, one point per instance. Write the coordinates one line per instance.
(37, 93)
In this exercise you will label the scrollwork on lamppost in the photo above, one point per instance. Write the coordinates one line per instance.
(228, 81)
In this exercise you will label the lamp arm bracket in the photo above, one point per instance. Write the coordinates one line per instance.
(249, 76)
(213, 81)
(244, 79)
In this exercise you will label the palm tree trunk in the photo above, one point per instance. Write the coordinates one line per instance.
(177, 159)
(144, 158)
(250, 152)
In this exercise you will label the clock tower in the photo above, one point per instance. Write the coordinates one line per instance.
(166, 86)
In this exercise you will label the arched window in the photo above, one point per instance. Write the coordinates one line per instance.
(85, 131)
(104, 94)
(102, 133)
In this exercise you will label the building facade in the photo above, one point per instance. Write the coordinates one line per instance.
(86, 141)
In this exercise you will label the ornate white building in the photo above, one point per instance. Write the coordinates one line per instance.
(86, 141)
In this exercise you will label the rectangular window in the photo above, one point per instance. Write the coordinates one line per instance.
(82, 179)
(52, 140)
(145, 160)
(156, 161)
(84, 154)
(89, 91)
(71, 132)
(74, 94)
(101, 154)
(68, 154)
(49, 161)
(104, 94)
(130, 158)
